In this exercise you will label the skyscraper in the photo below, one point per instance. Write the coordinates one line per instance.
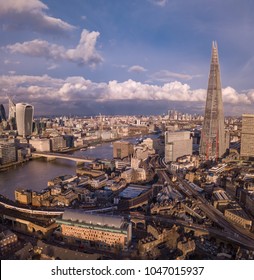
(12, 114)
(2, 113)
(213, 132)
(24, 117)
(12, 109)
(247, 137)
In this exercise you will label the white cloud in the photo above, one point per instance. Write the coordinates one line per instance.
(78, 89)
(84, 53)
(20, 6)
(12, 72)
(10, 62)
(161, 3)
(231, 96)
(53, 66)
(30, 14)
(168, 76)
(174, 91)
(123, 66)
(38, 48)
(136, 69)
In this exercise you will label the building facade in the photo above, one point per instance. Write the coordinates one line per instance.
(23, 196)
(212, 144)
(102, 231)
(24, 119)
(247, 136)
(7, 240)
(177, 144)
(40, 145)
(12, 109)
(2, 113)
(58, 143)
(122, 149)
(8, 153)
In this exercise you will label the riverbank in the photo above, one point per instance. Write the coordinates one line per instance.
(35, 174)
(8, 166)
(100, 141)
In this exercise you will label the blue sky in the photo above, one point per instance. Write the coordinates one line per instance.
(117, 56)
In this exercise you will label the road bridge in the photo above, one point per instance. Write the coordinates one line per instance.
(62, 156)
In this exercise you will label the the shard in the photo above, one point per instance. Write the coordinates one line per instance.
(212, 144)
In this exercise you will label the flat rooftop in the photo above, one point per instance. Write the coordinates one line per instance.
(133, 191)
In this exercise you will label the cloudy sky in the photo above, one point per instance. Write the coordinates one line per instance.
(125, 57)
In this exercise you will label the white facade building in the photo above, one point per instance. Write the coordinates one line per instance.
(40, 145)
(24, 118)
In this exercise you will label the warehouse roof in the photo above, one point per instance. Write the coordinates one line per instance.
(93, 219)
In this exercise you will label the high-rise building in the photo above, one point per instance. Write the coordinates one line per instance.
(213, 132)
(12, 109)
(2, 113)
(12, 114)
(177, 144)
(247, 136)
(24, 117)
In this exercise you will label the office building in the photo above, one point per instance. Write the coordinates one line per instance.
(247, 136)
(213, 132)
(12, 109)
(12, 114)
(8, 153)
(101, 231)
(2, 113)
(58, 143)
(122, 149)
(40, 144)
(24, 119)
(177, 144)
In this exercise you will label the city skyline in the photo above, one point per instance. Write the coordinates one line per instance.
(86, 59)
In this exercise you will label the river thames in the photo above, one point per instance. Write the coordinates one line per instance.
(36, 173)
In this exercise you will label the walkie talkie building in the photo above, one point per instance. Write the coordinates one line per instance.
(24, 117)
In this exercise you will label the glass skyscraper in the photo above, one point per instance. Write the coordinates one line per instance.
(213, 132)
(24, 118)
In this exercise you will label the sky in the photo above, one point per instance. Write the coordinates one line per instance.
(85, 57)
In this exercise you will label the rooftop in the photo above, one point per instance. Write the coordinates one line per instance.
(93, 219)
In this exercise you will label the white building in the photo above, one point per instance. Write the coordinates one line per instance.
(40, 145)
(24, 118)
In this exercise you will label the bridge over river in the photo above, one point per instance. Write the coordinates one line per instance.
(63, 156)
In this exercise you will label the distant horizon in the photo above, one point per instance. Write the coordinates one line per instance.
(81, 115)
(178, 109)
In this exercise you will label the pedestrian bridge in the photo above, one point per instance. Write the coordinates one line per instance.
(62, 156)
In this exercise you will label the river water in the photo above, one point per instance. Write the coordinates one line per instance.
(36, 173)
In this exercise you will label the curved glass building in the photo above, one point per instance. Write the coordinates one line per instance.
(24, 118)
